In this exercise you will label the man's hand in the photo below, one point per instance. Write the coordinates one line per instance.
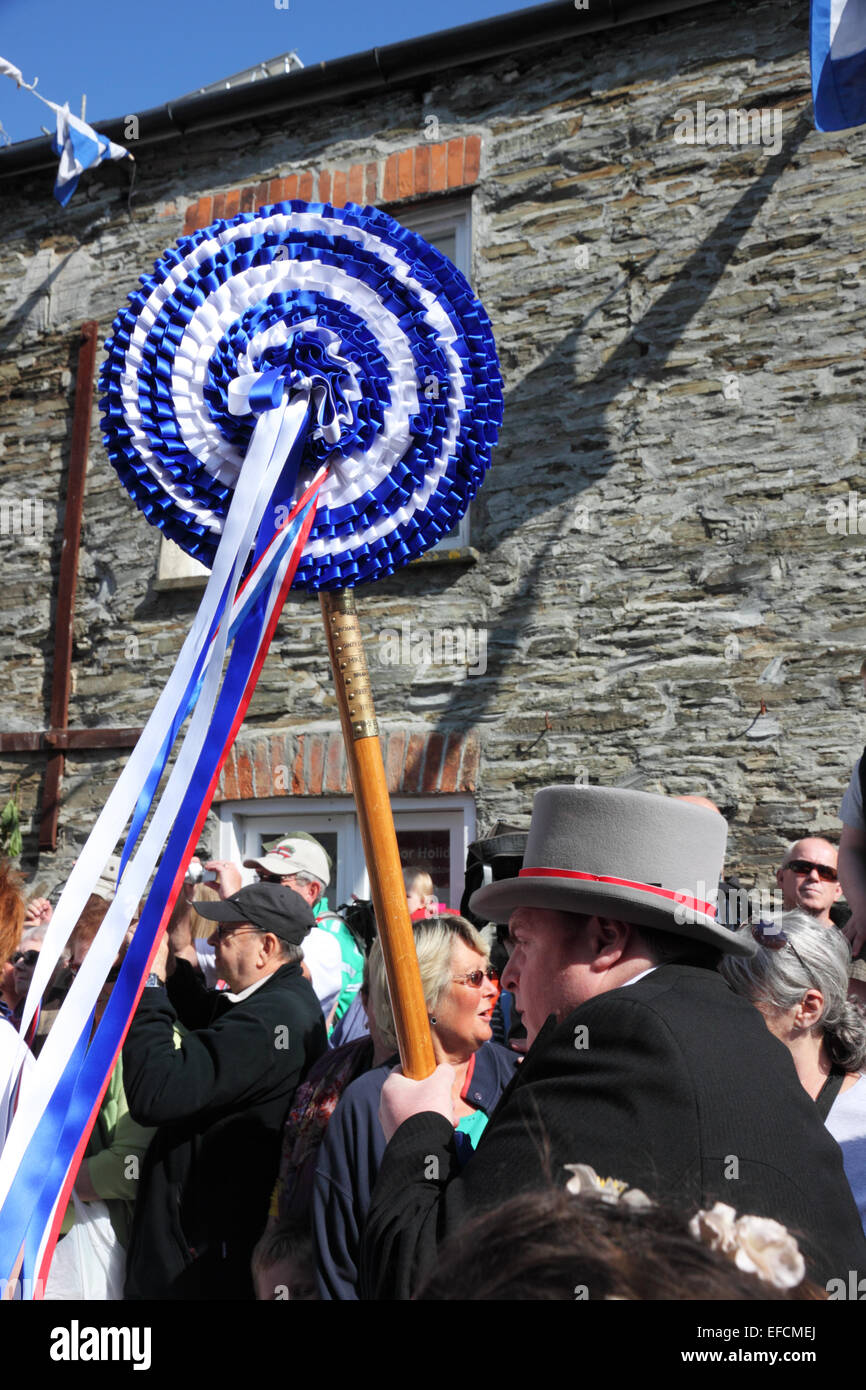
(160, 960)
(228, 876)
(179, 933)
(402, 1098)
(38, 914)
(189, 885)
(855, 930)
(852, 876)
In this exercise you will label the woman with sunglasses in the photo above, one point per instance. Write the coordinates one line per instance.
(798, 981)
(23, 964)
(460, 990)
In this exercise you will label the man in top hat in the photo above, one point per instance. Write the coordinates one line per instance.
(219, 1096)
(642, 1063)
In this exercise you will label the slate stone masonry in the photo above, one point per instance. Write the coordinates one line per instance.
(662, 550)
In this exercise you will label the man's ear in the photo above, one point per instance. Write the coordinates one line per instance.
(779, 877)
(270, 944)
(609, 939)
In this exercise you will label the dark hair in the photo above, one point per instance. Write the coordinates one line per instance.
(667, 946)
(549, 1245)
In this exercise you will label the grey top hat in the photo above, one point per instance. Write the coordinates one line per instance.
(650, 860)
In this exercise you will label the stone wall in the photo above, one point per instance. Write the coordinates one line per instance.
(667, 596)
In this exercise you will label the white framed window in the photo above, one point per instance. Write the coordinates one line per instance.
(447, 225)
(432, 833)
(177, 570)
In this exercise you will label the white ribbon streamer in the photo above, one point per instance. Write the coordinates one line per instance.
(269, 448)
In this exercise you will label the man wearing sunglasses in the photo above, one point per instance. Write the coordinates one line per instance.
(220, 1098)
(808, 879)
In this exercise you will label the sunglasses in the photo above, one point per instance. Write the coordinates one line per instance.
(476, 978)
(25, 958)
(771, 936)
(225, 929)
(805, 866)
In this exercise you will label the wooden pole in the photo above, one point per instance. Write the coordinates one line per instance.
(373, 805)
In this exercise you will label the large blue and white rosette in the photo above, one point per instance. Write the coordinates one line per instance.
(306, 395)
(409, 394)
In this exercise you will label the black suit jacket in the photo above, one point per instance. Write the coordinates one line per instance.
(673, 1084)
(219, 1101)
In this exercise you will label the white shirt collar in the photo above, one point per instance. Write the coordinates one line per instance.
(634, 979)
(245, 993)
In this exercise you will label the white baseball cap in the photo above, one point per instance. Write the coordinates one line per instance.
(297, 854)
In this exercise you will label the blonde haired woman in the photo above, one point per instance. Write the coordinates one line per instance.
(460, 991)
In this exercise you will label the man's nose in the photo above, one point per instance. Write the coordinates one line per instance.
(509, 976)
(214, 938)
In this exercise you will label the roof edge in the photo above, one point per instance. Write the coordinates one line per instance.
(374, 69)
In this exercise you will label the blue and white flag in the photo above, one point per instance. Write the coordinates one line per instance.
(838, 51)
(80, 147)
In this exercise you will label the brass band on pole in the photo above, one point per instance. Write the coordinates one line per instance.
(373, 806)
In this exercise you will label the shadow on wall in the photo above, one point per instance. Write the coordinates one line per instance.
(640, 359)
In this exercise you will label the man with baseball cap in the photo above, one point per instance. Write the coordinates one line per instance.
(220, 1097)
(331, 952)
(642, 1063)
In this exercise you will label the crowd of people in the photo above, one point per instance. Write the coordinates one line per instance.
(635, 1097)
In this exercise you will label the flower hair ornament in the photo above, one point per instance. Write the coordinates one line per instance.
(586, 1183)
(755, 1244)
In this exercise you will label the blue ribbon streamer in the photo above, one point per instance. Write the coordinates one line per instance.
(34, 1190)
(280, 499)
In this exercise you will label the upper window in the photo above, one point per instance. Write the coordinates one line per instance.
(447, 226)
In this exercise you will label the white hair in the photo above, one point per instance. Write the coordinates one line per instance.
(812, 957)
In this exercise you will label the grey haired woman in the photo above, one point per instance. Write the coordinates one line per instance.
(798, 980)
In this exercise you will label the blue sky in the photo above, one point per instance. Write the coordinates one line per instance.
(128, 55)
